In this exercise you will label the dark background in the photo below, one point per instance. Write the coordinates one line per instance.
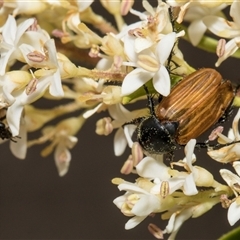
(35, 203)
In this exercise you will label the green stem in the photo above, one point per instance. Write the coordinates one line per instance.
(207, 43)
(232, 235)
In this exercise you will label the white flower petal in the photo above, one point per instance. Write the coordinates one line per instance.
(164, 47)
(8, 88)
(90, 112)
(22, 28)
(119, 201)
(4, 61)
(161, 81)
(151, 168)
(15, 110)
(129, 48)
(189, 187)
(179, 220)
(119, 142)
(62, 157)
(13, 117)
(9, 30)
(196, 31)
(146, 205)
(141, 44)
(233, 213)
(131, 187)
(135, 80)
(170, 226)
(189, 148)
(229, 177)
(134, 221)
(175, 184)
(55, 88)
(128, 131)
(104, 63)
(118, 111)
(235, 125)
(236, 166)
(230, 48)
(235, 12)
(220, 27)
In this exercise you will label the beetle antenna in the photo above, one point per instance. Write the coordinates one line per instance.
(150, 101)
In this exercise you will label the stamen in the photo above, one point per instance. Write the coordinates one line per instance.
(36, 56)
(215, 132)
(221, 47)
(137, 153)
(225, 201)
(155, 231)
(127, 166)
(164, 189)
(32, 85)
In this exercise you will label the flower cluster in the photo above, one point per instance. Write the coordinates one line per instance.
(174, 193)
(40, 50)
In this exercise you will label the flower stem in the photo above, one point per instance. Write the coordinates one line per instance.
(234, 234)
(208, 44)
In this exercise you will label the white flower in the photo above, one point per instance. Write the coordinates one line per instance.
(151, 65)
(121, 115)
(229, 153)
(11, 35)
(139, 202)
(156, 192)
(233, 181)
(226, 29)
(195, 15)
(50, 68)
(62, 139)
(186, 5)
(21, 98)
(155, 169)
(194, 207)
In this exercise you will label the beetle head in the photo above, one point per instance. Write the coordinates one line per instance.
(155, 136)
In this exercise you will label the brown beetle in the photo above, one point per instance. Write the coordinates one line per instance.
(193, 106)
(197, 102)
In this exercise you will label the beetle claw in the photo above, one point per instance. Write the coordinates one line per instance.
(214, 146)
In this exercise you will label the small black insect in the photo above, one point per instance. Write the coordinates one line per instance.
(5, 132)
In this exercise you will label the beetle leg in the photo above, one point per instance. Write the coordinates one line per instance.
(160, 97)
(200, 145)
(226, 114)
(214, 146)
(13, 140)
(150, 101)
